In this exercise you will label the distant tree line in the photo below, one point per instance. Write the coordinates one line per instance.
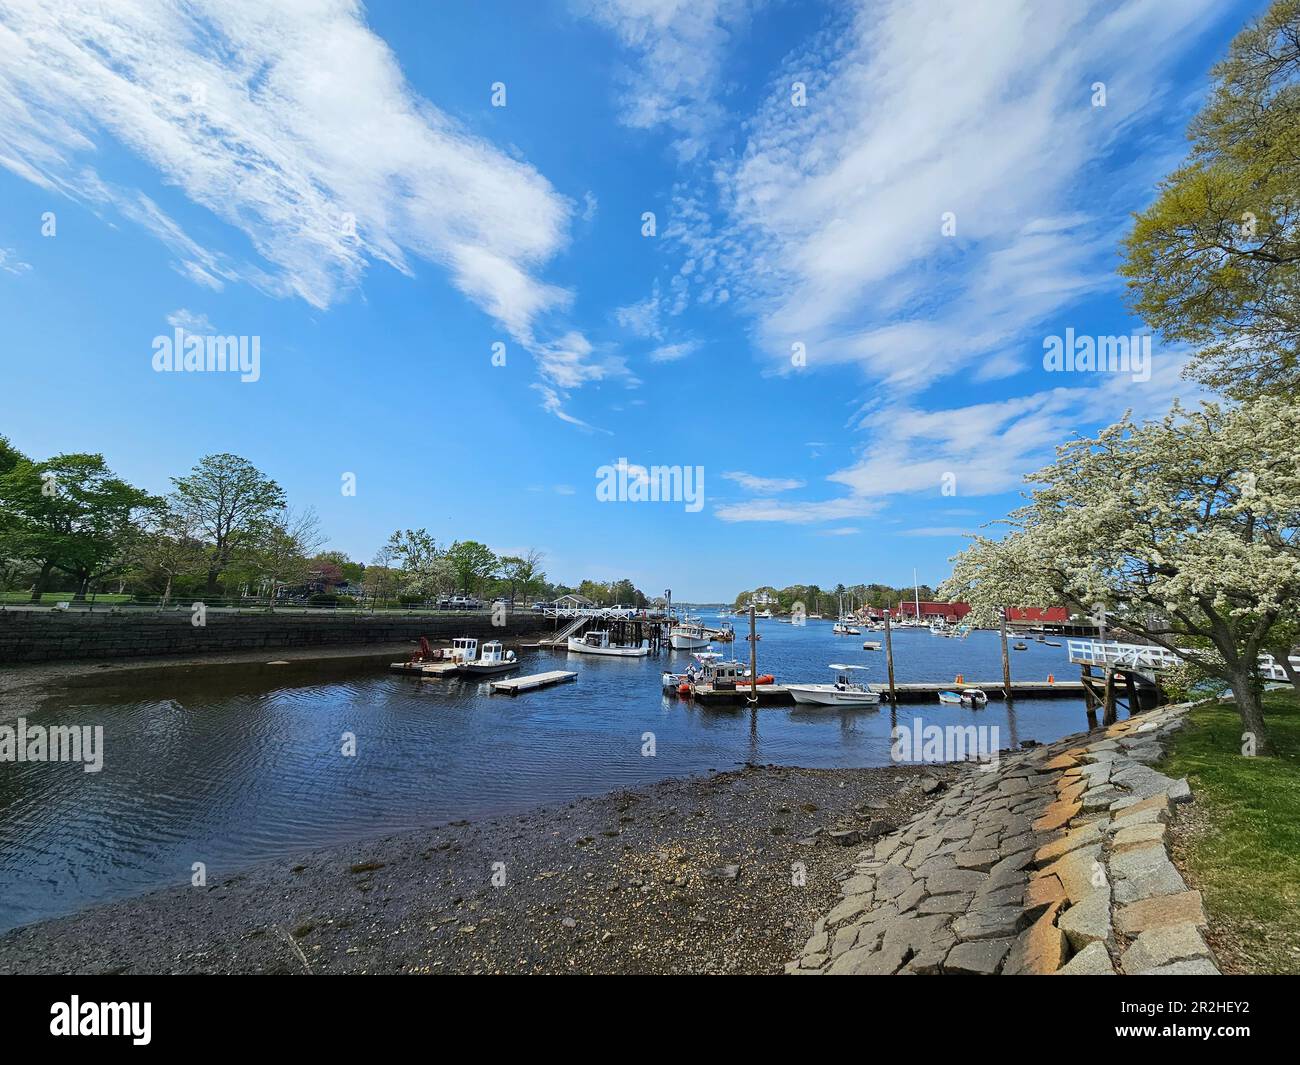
(70, 526)
(819, 600)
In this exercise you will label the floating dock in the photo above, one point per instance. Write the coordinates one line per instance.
(424, 669)
(515, 685)
(779, 695)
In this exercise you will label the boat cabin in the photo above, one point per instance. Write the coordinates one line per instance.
(596, 639)
(464, 649)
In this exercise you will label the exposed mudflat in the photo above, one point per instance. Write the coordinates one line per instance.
(719, 874)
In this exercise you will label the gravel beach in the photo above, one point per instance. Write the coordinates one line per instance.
(719, 874)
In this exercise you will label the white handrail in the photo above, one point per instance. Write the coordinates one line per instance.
(1148, 656)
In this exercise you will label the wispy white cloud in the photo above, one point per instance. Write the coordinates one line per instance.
(10, 263)
(294, 124)
(754, 483)
(977, 450)
(673, 352)
(828, 226)
(679, 47)
(799, 513)
(190, 321)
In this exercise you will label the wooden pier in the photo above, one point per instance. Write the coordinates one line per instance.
(515, 685)
(424, 669)
(779, 695)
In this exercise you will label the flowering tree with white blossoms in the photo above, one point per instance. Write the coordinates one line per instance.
(1185, 530)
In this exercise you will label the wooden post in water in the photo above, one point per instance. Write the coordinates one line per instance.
(1108, 714)
(1006, 660)
(753, 659)
(1131, 688)
(889, 659)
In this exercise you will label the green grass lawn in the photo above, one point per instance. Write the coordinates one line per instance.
(1242, 849)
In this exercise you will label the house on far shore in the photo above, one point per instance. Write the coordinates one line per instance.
(930, 611)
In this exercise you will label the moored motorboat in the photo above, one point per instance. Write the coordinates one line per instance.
(843, 628)
(463, 649)
(973, 697)
(598, 643)
(688, 636)
(950, 698)
(843, 692)
(494, 659)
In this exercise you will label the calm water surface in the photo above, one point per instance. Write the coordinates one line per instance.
(231, 765)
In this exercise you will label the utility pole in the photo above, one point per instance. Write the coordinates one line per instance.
(753, 660)
(889, 659)
(1006, 660)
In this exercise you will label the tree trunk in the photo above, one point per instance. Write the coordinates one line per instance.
(211, 591)
(83, 583)
(1283, 658)
(38, 589)
(1246, 692)
(167, 591)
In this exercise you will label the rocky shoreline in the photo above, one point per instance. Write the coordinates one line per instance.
(720, 874)
(1057, 863)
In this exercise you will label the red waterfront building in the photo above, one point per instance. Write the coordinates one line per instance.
(954, 612)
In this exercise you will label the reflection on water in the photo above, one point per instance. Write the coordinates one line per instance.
(231, 765)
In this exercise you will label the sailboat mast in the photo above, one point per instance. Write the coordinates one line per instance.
(916, 591)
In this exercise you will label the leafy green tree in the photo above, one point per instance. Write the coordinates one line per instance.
(425, 569)
(282, 554)
(472, 563)
(1215, 260)
(72, 514)
(232, 503)
(173, 549)
(520, 576)
(1186, 531)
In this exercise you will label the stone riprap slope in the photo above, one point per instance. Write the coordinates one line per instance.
(1057, 861)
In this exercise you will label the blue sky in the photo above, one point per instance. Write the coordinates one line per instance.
(336, 181)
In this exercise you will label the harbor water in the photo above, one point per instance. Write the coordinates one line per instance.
(232, 765)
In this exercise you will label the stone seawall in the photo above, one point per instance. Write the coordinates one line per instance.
(1056, 862)
(56, 635)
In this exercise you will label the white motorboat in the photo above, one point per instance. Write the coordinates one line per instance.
(688, 636)
(463, 649)
(844, 692)
(597, 643)
(763, 614)
(973, 697)
(843, 628)
(494, 659)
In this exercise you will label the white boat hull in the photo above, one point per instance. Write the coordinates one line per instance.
(681, 642)
(478, 669)
(830, 695)
(578, 647)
